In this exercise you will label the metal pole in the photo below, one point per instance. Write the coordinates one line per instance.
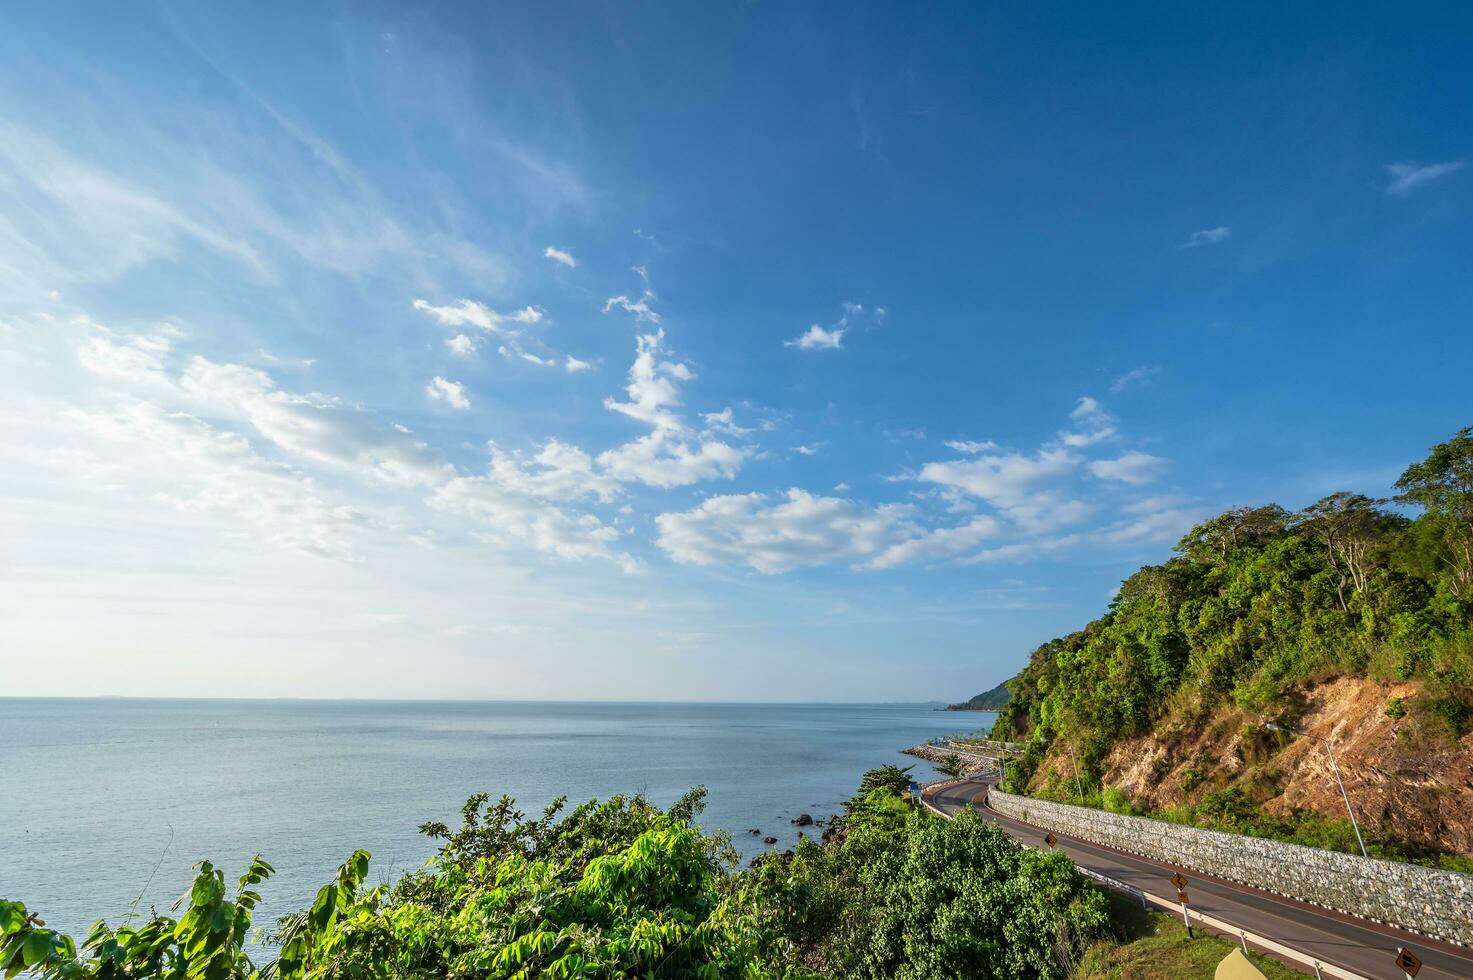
(1185, 920)
(1077, 784)
(1346, 797)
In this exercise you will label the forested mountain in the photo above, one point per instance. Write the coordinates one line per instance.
(1263, 614)
(986, 701)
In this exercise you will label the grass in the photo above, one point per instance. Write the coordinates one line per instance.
(1154, 946)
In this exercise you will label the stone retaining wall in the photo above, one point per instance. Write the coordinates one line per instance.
(934, 753)
(1432, 902)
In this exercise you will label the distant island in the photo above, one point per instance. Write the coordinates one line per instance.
(993, 700)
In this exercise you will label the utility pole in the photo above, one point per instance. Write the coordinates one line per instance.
(1335, 768)
(1077, 784)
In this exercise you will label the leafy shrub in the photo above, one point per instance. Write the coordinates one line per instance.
(624, 889)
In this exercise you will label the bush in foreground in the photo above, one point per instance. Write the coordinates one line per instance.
(624, 889)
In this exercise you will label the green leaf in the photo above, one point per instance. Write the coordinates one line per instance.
(36, 949)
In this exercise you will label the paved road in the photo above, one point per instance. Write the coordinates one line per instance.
(1363, 947)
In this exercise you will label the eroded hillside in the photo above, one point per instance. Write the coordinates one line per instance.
(1349, 620)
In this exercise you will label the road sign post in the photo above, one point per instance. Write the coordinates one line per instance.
(1180, 881)
(1408, 962)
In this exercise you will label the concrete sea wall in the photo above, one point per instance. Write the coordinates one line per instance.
(1426, 900)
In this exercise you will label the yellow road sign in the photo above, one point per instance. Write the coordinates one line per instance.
(1408, 962)
(1181, 895)
(1050, 840)
(1179, 881)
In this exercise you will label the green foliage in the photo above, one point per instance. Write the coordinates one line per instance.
(625, 889)
(951, 766)
(1395, 708)
(893, 778)
(905, 894)
(1256, 599)
(205, 943)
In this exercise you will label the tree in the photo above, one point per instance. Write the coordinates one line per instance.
(1354, 532)
(951, 766)
(891, 777)
(1214, 540)
(1442, 484)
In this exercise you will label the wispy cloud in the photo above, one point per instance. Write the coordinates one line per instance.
(642, 308)
(1207, 236)
(469, 313)
(450, 392)
(560, 256)
(1134, 378)
(854, 317)
(1134, 467)
(1092, 424)
(798, 530)
(971, 447)
(817, 338)
(1403, 178)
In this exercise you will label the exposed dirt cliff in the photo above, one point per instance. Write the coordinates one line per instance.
(1404, 777)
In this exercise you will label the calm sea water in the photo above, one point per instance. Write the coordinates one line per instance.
(104, 801)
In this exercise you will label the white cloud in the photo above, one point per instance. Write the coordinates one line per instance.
(1150, 505)
(1002, 479)
(514, 502)
(817, 338)
(1162, 526)
(185, 463)
(1092, 424)
(1133, 467)
(945, 542)
(725, 421)
(1403, 178)
(560, 256)
(658, 460)
(558, 471)
(512, 517)
(806, 450)
(640, 308)
(572, 365)
(137, 360)
(1207, 236)
(970, 447)
(651, 391)
(469, 313)
(1133, 378)
(451, 392)
(802, 530)
(461, 345)
(310, 426)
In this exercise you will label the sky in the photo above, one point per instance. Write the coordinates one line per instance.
(749, 351)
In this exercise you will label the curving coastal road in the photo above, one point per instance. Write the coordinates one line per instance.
(1362, 947)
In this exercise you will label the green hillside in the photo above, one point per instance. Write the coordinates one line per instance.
(1254, 604)
(992, 700)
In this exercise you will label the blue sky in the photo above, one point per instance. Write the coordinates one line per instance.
(759, 351)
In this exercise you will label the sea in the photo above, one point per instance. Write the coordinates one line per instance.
(106, 804)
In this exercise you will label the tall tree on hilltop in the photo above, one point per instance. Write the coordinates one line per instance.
(1354, 531)
(1443, 485)
(1214, 540)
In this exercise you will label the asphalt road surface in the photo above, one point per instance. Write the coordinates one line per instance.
(1366, 948)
